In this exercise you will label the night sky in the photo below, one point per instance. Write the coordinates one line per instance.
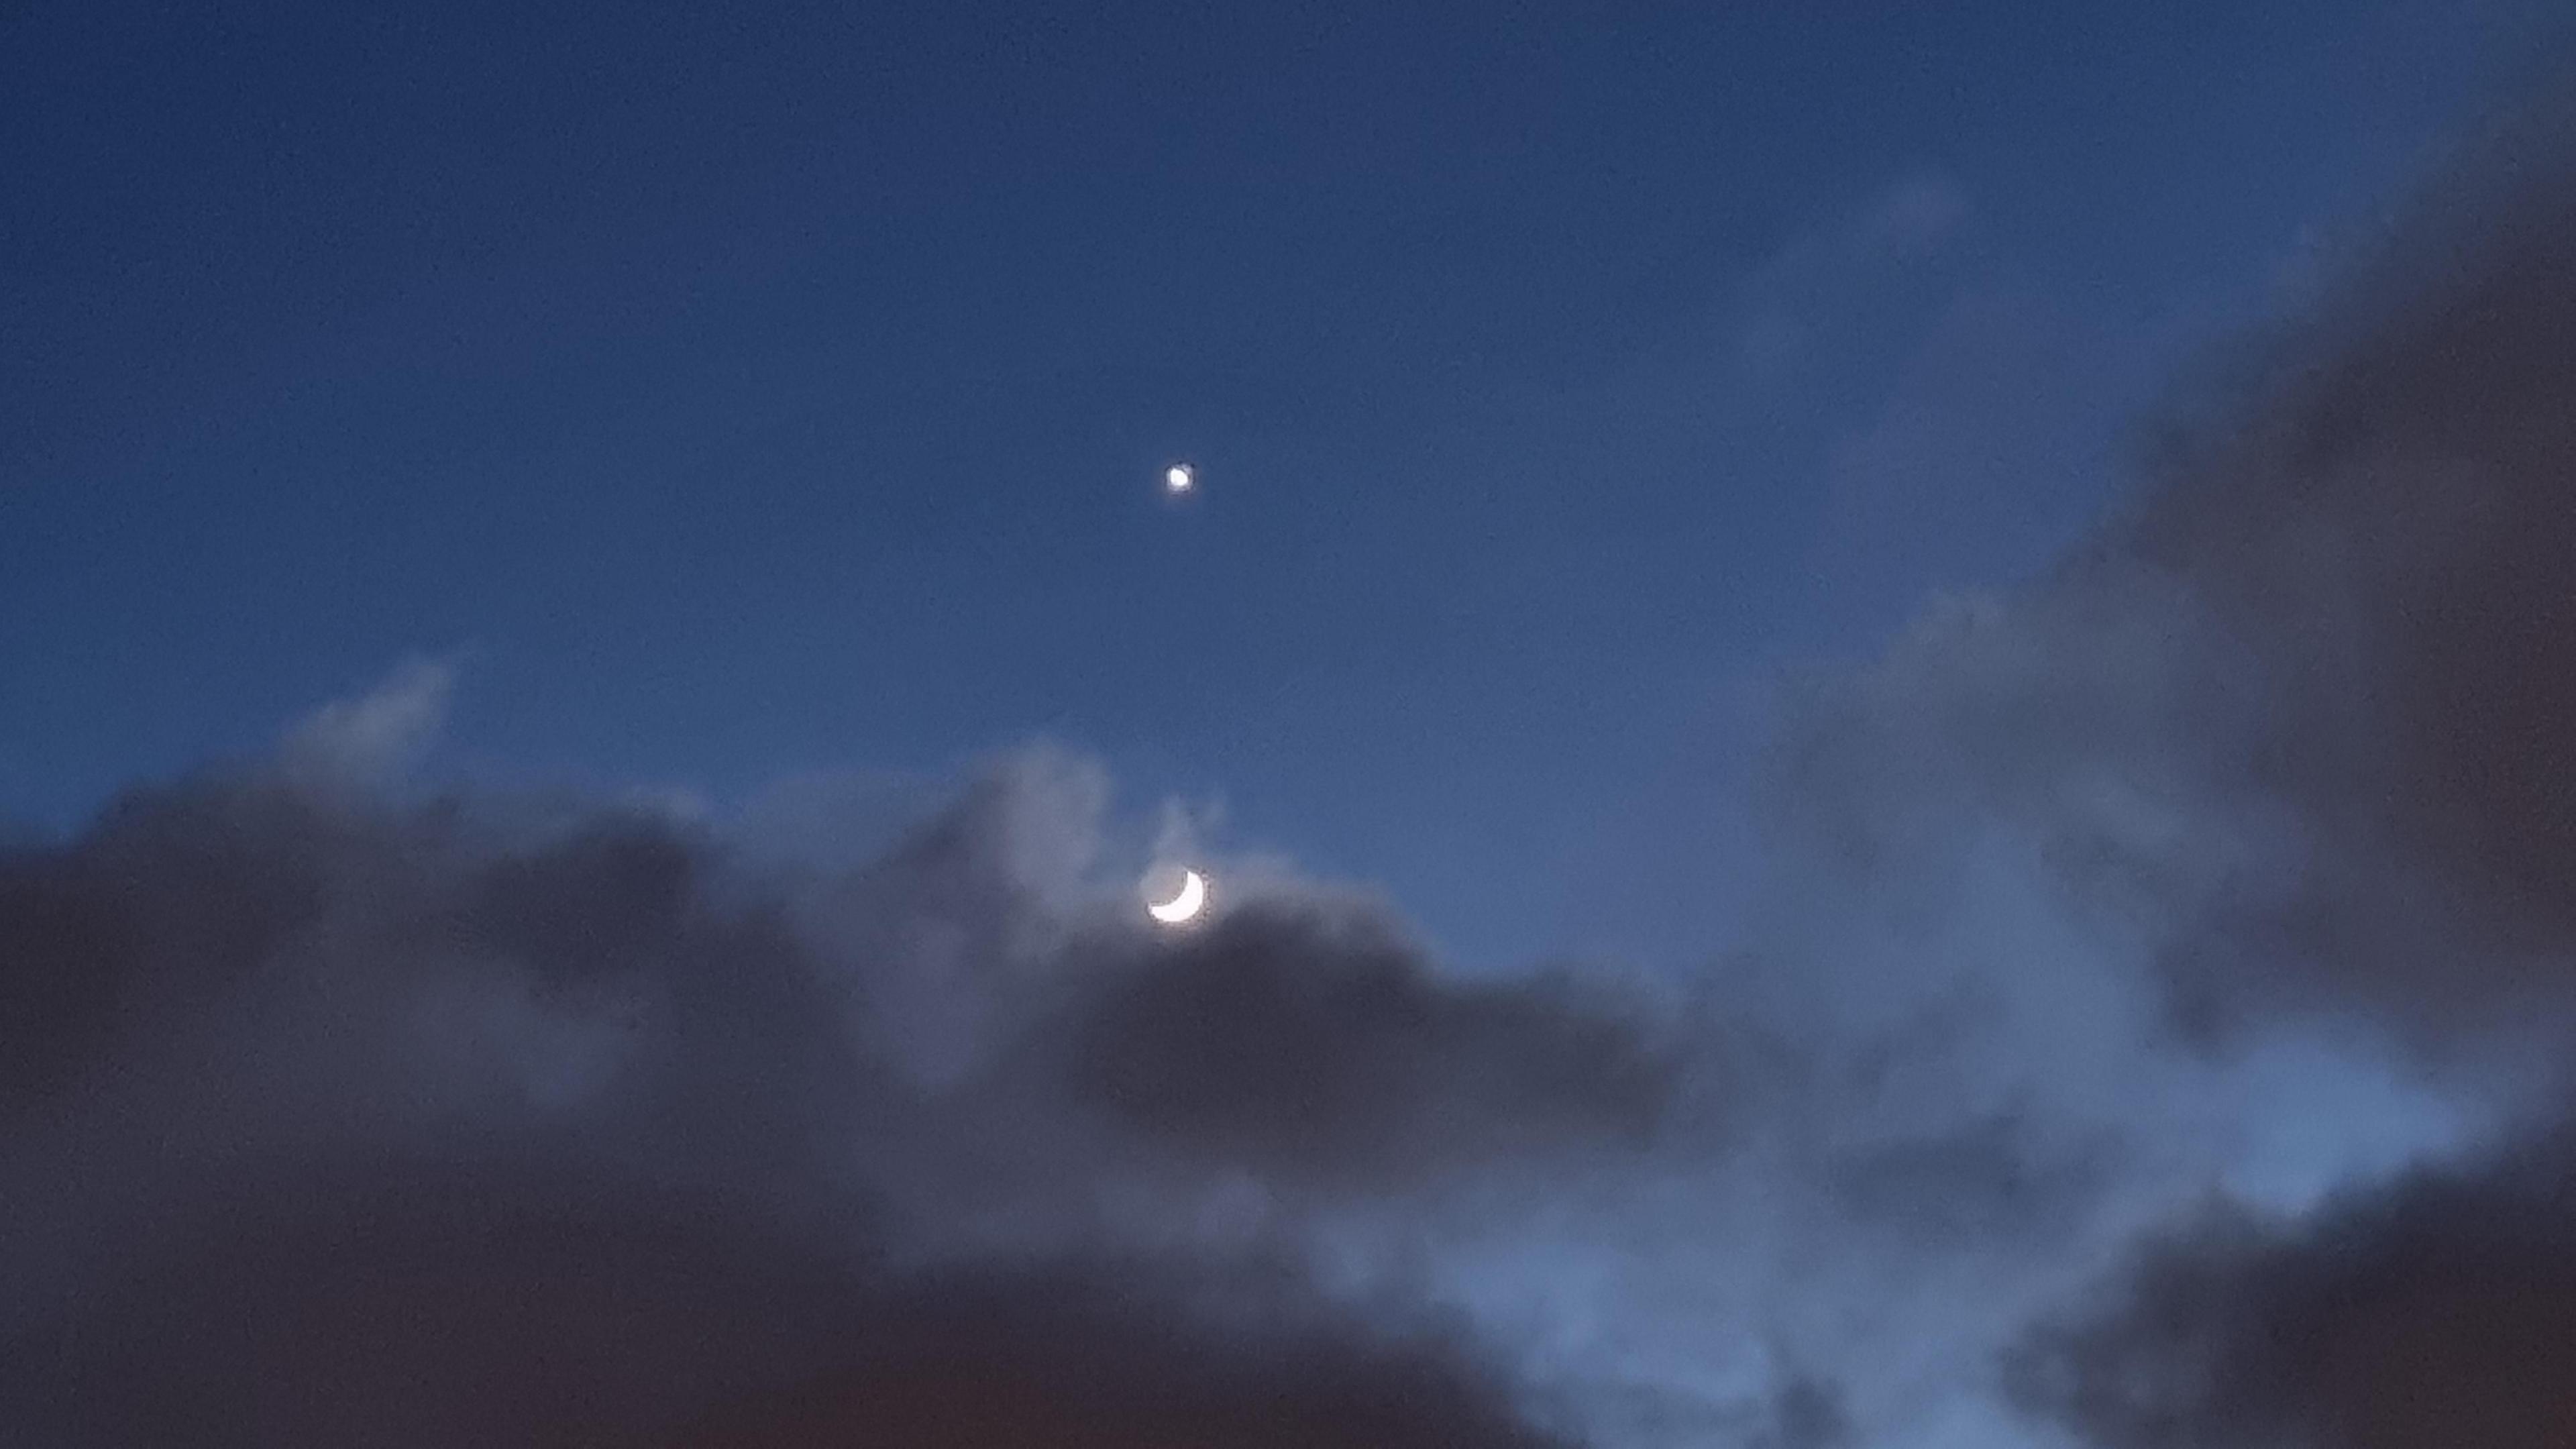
(1881, 699)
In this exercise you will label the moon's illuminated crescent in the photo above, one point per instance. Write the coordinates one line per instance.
(1183, 906)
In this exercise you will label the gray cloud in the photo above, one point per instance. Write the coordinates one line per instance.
(377, 735)
(1806, 1413)
(1080, 1356)
(1983, 1178)
(2291, 733)
(1318, 1043)
(2297, 713)
(2385, 529)
(419, 1303)
(336, 1116)
(2440, 1310)
(2287, 740)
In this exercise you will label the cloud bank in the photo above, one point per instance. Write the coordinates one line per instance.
(337, 1114)
(2291, 734)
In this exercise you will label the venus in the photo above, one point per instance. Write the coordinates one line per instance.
(1179, 477)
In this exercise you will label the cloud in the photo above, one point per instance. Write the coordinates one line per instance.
(409, 1303)
(1817, 283)
(2384, 530)
(1083, 1358)
(2283, 741)
(2439, 1310)
(2289, 735)
(2297, 712)
(368, 739)
(1983, 1178)
(1289, 1040)
(332, 1115)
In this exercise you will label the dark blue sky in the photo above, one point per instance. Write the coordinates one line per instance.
(762, 388)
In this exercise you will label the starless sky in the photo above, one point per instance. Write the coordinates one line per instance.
(743, 391)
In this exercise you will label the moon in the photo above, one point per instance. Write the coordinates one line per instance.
(1178, 477)
(1191, 898)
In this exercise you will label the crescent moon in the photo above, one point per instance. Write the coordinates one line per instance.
(1183, 906)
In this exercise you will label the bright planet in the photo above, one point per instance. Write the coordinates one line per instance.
(1178, 477)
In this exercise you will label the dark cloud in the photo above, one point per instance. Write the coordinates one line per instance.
(332, 1117)
(2300, 714)
(419, 1304)
(2439, 1311)
(1806, 1413)
(1077, 1357)
(503, 1300)
(1988, 1177)
(2389, 530)
(1302, 1040)
(2294, 734)
(168, 898)
(2304, 716)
